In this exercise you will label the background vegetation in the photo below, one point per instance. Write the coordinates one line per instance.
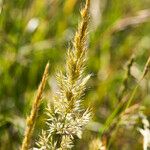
(33, 32)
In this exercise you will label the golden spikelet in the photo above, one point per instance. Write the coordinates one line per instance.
(76, 57)
(32, 118)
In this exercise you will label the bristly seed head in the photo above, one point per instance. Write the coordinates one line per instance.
(67, 119)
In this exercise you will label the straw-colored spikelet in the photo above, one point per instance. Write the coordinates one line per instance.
(145, 132)
(66, 118)
(96, 144)
(32, 118)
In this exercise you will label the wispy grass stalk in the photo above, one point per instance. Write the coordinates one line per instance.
(127, 76)
(145, 71)
(123, 103)
(31, 120)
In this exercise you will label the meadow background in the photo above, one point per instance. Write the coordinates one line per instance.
(33, 32)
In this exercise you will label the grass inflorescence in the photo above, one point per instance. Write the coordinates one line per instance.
(66, 117)
(31, 120)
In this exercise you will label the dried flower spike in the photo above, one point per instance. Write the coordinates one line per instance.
(32, 118)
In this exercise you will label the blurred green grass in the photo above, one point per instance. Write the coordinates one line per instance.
(33, 32)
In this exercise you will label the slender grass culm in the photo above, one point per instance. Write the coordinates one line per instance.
(117, 117)
(32, 118)
(66, 117)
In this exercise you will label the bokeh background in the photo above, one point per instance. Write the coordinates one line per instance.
(33, 32)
